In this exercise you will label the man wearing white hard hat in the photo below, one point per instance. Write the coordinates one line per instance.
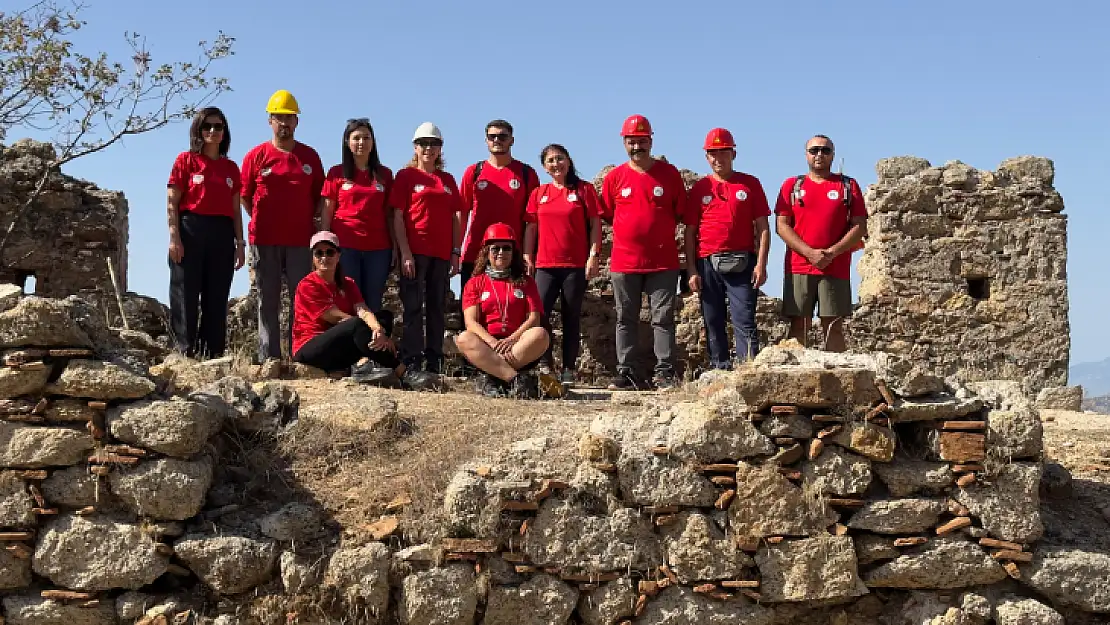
(426, 227)
(282, 180)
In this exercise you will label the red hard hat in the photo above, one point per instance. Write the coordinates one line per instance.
(636, 126)
(719, 139)
(499, 232)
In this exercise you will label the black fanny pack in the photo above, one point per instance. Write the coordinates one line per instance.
(729, 262)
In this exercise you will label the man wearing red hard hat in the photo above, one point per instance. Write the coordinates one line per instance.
(821, 218)
(727, 240)
(644, 199)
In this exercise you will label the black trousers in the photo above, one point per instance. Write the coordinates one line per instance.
(424, 303)
(201, 283)
(568, 284)
(346, 343)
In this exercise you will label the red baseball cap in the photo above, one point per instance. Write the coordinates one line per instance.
(719, 139)
(636, 126)
(499, 232)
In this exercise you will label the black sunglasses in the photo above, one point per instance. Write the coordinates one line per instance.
(429, 143)
(500, 248)
(500, 136)
(325, 252)
(206, 127)
(820, 149)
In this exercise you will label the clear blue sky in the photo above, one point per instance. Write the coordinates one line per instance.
(974, 81)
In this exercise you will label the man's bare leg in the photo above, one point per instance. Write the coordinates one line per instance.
(799, 329)
(833, 330)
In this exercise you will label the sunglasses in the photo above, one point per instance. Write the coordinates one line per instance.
(325, 252)
(428, 143)
(820, 149)
(500, 136)
(500, 249)
(211, 127)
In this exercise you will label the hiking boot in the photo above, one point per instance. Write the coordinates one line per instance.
(490, 386)
(550, 385)
(524, 386)
(665, 382)
(372, 374)
(625, 380)
(415, 380)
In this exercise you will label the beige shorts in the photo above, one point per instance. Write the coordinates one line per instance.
(801, 293)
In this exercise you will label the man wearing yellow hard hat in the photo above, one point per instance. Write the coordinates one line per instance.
(282, 180)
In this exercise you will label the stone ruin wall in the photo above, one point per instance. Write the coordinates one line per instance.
(801, 489)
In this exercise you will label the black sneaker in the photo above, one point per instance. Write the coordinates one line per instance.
(415, 380)
(374, 375)
(625, 380)
(665, 382)
(490, 386)
(524, 386)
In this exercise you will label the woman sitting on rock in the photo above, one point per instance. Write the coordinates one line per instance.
(503, 314)
(334, 330)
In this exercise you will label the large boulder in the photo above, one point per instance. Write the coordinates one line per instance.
(32, 446)
(810, 569)
(95, 553)
(94, 379)
(1070, 577)
(941, 563)
(229, 565)
(32, 609)
(176, 427)
(1015, 434)
(446, 596)
(542, 600)
(762, 387)
(40, 322)
(165, 489)
(650, 480)
(768, 504)
(576, 532)
(1008, 504)
(699, 433)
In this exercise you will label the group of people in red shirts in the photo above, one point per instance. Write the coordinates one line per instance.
(334, 237)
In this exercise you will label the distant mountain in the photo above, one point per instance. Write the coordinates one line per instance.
(1098, 404)
(1093, 376)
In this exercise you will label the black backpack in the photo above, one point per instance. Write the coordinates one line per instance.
(845, 194)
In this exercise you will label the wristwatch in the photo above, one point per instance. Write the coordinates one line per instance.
(456, 252)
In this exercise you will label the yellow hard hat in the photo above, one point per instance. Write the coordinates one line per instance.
(282, 103)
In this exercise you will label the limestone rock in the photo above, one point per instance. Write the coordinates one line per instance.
(909, 477)
(14, 572)
(810, 569)
(807, 387)
(657, 481)
(938, 406)
(300, 572)
(896, 167)
(93, 379)
(1060, 398)
(95, 553)
(1036, 168)
(871, 548)
(14, 382)
(1016, 434)
(470, 509)
(1009, 505)
(701, 434)
(679, 605)
(918, 383)
(362, 573)
(872, 441)
(15, 503)
(32, 447)
(1013, 610)
(697, 550)
(898, 516)
(794, 426)
(941, 563)
(575, 532)
(175, 427)
(767, 504)
(608, 603)
(73, 410)
(294, 521)
(837, 472)
(163, 489)
(1056, 482)
(1070, 577)
(446, 596)
(787, 456)
(9, 296)
(1001, 394)
(32, 609)
(929, 608)
(232, 395)
(40, 322)
(228, 565)
(74, 487)
(131, 605)
(542, 600)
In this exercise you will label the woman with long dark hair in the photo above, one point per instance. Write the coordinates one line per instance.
(206, 236)
(355, 194)
(565, 218)
(503, 313)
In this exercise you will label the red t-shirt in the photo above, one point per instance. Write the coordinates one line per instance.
(360, 220)
(429, 203)
(561, 216)
(821, 220)
(498, 196)
(723, 213)
(316, 297)
(645, 209)
(283, 189)
(208, 187)
(502, 306)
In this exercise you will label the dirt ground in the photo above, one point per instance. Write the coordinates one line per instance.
(1080, 442)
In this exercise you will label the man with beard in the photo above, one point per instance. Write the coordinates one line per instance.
(282, 180)
(644, 199)
(821, 218)
(493, 191)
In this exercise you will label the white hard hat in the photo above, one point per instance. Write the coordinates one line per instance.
(427, 130)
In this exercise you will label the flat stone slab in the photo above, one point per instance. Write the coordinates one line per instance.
(762, 387)
(810, 569)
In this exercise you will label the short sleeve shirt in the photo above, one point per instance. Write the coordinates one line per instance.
(361, 220)
(428, 202)
(821, 220)
(315, 296)
(207, 186)
(645, 209)
(723, 213)
(502, 305)
(562, 219)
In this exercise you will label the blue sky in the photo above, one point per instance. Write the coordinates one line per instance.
(973, 81)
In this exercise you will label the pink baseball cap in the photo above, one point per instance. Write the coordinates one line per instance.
(324, 236)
